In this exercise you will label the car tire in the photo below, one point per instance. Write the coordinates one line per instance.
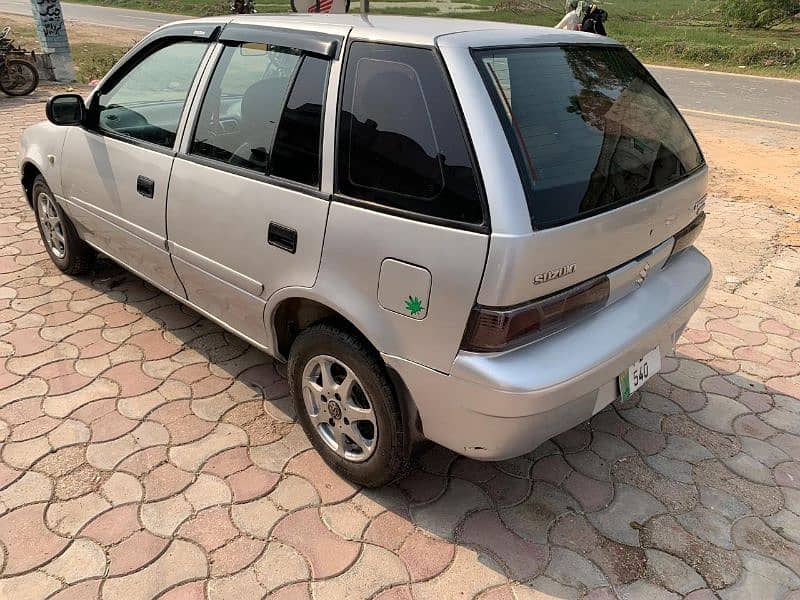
(367, 410)
(69, 252)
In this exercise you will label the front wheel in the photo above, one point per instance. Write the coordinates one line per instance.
(69, 252)
(346, 405)
(18, 77)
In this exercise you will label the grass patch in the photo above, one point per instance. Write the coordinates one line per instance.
(93, 61)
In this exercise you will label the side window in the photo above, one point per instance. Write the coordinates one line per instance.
(400, 140)
(243, 105)
(296, 153)
(146, 104)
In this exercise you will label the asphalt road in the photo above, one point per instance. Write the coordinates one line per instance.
(772, 102)
(98, 15)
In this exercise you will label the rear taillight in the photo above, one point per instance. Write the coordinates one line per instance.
(496, 329)
(688, 235)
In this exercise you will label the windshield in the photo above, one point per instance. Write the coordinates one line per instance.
(589, 126)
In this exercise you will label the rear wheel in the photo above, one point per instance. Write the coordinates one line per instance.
(69, 252)
(347, 406)
(18, 77)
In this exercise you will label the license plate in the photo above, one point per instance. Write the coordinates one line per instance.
(638, 373)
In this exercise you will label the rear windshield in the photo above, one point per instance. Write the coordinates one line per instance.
(590, 128)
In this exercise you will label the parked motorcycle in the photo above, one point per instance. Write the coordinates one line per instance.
(243, 7)
(18, 73)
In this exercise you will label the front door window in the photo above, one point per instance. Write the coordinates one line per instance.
(146, 104)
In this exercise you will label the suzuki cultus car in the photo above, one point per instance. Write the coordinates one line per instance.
(474, 233)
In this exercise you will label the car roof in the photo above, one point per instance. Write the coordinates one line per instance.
(425, 31)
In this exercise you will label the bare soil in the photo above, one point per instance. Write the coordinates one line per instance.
(754, 163)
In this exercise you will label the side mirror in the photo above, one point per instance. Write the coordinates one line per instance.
(66, 109)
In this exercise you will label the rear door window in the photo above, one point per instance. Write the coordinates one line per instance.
(401, 144)
(589, 126)
(243, 105)
(296, 152)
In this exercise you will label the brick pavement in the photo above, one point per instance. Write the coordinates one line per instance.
(147, 454)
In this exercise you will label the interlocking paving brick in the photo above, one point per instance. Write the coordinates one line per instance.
(762, 499)
(717, 566)
(181, 562)
(27, 540)
(708, 525)
(522, 558)
(751, 533)
(443, 515)
(571, 569)
(235, 555)
(675, 495)
(631, 508)
(620, 563)
(375, 569)
(672, 573)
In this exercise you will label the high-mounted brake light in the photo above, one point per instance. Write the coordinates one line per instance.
(688, 235)
(496, 329)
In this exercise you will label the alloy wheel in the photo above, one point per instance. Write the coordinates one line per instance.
(52, 225)
(339, 408)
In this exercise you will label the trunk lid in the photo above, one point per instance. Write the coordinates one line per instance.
(582, 249)
(610, 169)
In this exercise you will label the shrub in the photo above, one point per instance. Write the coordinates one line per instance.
(93, 61)
(758, 13)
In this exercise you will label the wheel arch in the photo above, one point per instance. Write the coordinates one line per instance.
(290, 315)
(295, 310)
(28, 172)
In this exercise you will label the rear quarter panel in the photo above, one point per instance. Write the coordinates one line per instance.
(357, 241)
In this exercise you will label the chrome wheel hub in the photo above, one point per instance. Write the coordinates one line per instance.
(339, 408)
(52, 226)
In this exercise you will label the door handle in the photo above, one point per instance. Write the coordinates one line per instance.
(282, 237)
(145, 186)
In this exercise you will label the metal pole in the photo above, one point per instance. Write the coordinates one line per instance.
(364, 7)
(52, 34)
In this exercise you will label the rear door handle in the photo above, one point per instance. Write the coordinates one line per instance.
(145, 186)
(282, 237)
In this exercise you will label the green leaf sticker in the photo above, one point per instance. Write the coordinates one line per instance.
(413, 305)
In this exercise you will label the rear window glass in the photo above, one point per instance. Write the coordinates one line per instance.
(590, 128)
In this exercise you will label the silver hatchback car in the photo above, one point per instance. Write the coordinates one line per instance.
(474, 233)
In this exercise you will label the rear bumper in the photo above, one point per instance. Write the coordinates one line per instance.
(496, 406)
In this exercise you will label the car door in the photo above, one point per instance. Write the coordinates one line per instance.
(116, 169)
(247, 211)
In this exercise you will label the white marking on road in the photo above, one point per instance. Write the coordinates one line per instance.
(740, 117)
(710, 72)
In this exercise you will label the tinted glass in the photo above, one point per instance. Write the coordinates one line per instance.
(146, 104)
(400, 138)
(296, 153)
(243, 104)
(590, 127)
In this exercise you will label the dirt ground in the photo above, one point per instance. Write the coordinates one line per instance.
(753, 164)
